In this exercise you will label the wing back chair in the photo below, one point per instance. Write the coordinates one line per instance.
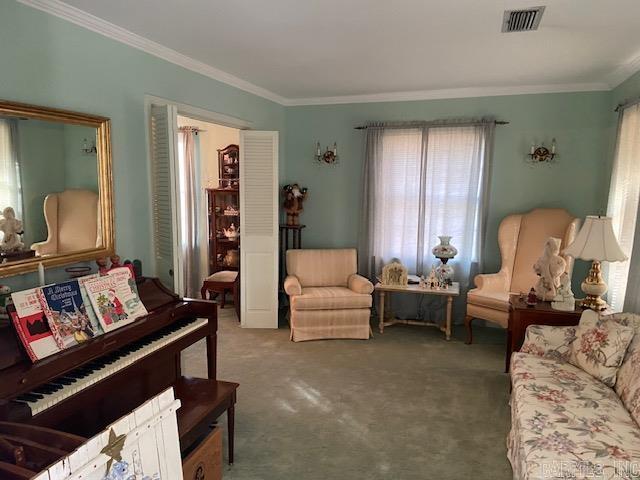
(521, 239)
(328, 299)
(72, 222)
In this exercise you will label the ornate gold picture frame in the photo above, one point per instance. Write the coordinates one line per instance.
(104, 180)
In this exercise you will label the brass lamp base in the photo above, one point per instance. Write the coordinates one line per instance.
(594, 287)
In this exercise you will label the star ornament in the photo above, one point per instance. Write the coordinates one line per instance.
(114, 448)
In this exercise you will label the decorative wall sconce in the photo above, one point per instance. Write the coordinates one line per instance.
(542, 154)
(89, 148)
(330, 156)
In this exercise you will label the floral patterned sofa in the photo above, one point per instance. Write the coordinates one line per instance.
(567, 424)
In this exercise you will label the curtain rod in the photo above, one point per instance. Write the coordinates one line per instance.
(627, 103)
(435, 124)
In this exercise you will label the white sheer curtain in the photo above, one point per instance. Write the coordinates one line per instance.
(10, 188)
(189, 195)
(429, 182)
(624, 195)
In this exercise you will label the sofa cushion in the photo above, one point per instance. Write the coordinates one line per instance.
(549, 341)
(322, 267)
(495, 300)
(600, 346)
(567, 424)
(628, 380)
(329, 298)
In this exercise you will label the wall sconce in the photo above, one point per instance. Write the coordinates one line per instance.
(88, 149)
(542, 154)
(330, 156)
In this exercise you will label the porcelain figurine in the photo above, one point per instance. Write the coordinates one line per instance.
(232, 232)
(564, 299)
(532, 298)
(433, 282)
(12, 229)
(549, 267)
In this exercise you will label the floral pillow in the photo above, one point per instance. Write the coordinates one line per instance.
(549, 341)
(600, 347)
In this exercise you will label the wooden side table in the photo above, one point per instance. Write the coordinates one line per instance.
(521, 316)
(452, 291)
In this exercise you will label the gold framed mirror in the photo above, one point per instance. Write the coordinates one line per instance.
(56, 188)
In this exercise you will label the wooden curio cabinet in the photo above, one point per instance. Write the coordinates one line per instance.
(224, 213)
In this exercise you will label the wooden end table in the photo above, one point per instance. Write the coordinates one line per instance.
(452, 291)
(521, 316)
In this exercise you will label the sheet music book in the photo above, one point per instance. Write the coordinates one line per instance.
(66, 313)
(115, 299)
(31, 325)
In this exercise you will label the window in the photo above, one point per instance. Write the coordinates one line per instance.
(430, 181)
(624, 195)
(10, 190)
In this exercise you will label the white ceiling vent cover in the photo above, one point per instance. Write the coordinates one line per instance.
(525, 20)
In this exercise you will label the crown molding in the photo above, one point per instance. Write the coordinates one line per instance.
(624, 71)
(110, 30)
(450, 93)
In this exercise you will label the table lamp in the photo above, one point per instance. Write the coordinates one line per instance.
(596, 242)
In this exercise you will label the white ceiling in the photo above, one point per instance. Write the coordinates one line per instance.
(302, 51)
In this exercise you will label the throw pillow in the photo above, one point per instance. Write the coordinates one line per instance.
(600, 347)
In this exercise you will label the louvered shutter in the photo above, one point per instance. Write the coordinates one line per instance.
(259, 229)
(162, 136)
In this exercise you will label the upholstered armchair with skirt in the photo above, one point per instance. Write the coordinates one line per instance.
(328, 299)
(521, 239)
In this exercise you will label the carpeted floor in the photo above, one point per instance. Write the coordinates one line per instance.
(403, 405)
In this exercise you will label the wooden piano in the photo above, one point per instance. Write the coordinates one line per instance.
(83, 389)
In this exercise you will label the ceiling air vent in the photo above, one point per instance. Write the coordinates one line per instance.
(525, 20)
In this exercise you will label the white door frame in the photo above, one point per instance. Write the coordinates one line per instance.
(191, 112)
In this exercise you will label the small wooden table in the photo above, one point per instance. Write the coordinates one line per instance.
(521, 316)
(452, 291)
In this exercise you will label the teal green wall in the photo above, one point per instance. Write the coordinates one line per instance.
(48, 61)
(80, 169)
(578, 121)
(42, 153)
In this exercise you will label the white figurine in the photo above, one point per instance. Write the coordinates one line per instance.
(564, 299)
(423, 282)
(12, 229)
(432, 280)
(549, 267)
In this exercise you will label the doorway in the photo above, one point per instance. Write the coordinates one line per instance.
(180, 207)
(199, 146)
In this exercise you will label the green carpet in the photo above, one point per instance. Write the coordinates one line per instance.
(402, 405)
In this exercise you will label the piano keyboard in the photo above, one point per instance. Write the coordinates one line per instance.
(50, 394)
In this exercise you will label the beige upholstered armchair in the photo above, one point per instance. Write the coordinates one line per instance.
(521, 239)
(72, 222)
(328, 298)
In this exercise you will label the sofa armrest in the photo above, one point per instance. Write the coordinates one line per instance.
(494, 282)
(549, 341)
(292, 285)
(359, 284)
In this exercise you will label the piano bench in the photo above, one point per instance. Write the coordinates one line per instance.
(202, 402)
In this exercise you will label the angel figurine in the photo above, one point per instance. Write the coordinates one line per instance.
(12, 229)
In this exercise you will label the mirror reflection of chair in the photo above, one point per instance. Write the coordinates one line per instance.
(72, 218)
(521, 238)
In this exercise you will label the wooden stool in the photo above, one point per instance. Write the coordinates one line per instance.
(221, 283)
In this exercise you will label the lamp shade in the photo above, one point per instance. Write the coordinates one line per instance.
(596, 241)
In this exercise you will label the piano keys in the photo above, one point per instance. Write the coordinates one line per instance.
(50, 394)
(82, 389)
